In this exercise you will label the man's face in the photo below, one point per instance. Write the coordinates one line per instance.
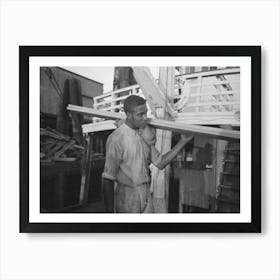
(138, 116)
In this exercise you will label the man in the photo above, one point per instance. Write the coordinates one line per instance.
(129, 151)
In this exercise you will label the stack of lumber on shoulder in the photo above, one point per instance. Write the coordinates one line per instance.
(55, 146)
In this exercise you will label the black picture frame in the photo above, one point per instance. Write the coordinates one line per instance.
(254, 52)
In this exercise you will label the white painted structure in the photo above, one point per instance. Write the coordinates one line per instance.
(210, 97)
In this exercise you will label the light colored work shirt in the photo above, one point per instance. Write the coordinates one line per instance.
(128, 158)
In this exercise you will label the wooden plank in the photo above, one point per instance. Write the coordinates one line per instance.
(109, 101)
(210, 121)
(214, 83)
(228, 92)
(96, 113)
(49, 147)
(111, 107)
(64, 149)
(100, 126)
(219, 133)
(46, 132)
(219, 103)
(152, 92)
(225, 92)
(58, 146)
(160, 178)
(67, 159)
(206, 114)
(209, 73)
(63, 136)
(107, 94)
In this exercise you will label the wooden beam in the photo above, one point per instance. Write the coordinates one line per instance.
(215, 83)
(160, 178)
(64, 149)
(219, 133)
(225, 134)
(218, 103)
(107, 94)
(152, 92)
(96, 113)
(100, 126)
(224, 92)
(209, 73)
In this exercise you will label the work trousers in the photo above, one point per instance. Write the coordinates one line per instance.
(133, 199)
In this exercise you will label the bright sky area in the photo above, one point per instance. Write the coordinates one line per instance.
(104, 75)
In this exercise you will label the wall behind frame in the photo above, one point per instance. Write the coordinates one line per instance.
(139, 256)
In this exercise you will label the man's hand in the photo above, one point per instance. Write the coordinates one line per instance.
(148, 133)
(186, 138)
(108, 189)
(169, 156)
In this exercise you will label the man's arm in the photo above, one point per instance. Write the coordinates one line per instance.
(149, 136)
(111, 169)
(108, 188)
(169, 156)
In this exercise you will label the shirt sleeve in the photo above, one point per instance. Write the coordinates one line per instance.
(156, 157)
(113, 159)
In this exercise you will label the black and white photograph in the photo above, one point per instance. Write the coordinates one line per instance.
(119, 138)
(127, 163)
